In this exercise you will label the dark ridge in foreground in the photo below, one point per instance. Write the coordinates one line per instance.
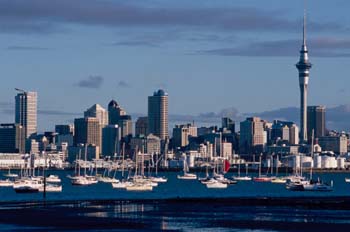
(331, 202)
(278, 214)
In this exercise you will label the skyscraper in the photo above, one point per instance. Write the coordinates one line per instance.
(110, 140)
(141, 126)
(97, 111)
(87, 131)
(114, 112)
(26, 111)
(316, 121)
(12, 138)
(303, 67)
(251, 138)
(158, 114)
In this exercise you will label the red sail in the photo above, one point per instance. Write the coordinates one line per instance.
(226, 166)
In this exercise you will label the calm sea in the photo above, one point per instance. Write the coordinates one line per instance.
(208, 215)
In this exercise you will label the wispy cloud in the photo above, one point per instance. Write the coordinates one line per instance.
(92, 82)
(42, 16)
(322, 47)
(26, 48)
(56, 113)
(123, 84)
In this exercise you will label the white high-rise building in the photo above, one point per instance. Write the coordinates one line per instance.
(97, 111)
(158, 114)
(26, 111)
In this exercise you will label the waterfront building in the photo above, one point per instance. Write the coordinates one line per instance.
(141, 126)
(12, 138)
(110, 140)
(87, 131)
(181, 134)
(251, 135)
(158, 114)
(316, 121)
(338, 144)
(26, 111)
(303, 67)
(226, 150)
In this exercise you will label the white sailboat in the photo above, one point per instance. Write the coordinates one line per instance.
(186, 175)
(138, 182)
(276, 179)
(85, 179)
(11, 175)
(242, 178)
(6, 183)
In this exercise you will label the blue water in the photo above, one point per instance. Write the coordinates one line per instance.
(177, 188)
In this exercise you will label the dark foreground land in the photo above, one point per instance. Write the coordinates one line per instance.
(209, 214)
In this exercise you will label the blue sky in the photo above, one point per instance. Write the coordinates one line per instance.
(208, 55)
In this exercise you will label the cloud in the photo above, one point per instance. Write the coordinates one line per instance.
(322, 47)
(42, 16)
(26, 48)
(123, 84)
(135, 44)
(92, 82)
(56, 113)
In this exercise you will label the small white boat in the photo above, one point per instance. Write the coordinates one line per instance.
(317, 186)
(159, 179)
(106, 179)
(187, 176)
(139, 187)
(216, 184)
(11, 175)
(53, 179)
(121, 184)
(347, 180)
(6, 183)
(83, 180)
(278, 180)
(51, 188)
(27, 186)
(242, 178)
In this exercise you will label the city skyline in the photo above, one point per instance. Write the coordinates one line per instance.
(203, 53)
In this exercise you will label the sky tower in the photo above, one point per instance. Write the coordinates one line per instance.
(303, 67)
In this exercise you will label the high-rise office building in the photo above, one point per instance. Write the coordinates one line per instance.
(303, 67)
(12, 138)
(141, 126)
(228, 123)
(26, 111)
(87, 131)
(293, 134)
(97, 111)
(181, 134)
(316, 121)
(114, 112)
(251, 138)
(110, 140)
(158, 114)
(64, 129)
(125, 124)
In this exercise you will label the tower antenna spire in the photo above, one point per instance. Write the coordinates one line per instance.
(304, 25)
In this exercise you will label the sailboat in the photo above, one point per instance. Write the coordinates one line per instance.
(157, 178)
(242, 178)
(11, 175)
(261, 178)
(186, 175)
(138, 182)
(278, 180)
(85, 179)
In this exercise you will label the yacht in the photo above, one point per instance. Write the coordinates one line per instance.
(278, 180)
(159, 179)
(187, 176)
(83, 180)
(216, 184)
(347, 180)
(51, 188)
(317, 186)
(139, 187)
(53, 179)
(122, 184)
(6, 183)
(27, 186)
(242, 178)
(107, 179)
(11, 175)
